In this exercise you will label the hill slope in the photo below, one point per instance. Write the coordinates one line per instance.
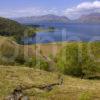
(90, 18)
(43, 19)
(71, 89)
(12, 53)
(10, 27)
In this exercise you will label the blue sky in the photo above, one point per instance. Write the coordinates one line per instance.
(11, 4)
(70, 8)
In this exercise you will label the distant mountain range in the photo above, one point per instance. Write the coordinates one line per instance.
(42, 19)
(90, 18)
(54, 19)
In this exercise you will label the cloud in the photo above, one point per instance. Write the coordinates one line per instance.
(30, 11)
(74, 12)
(83, 8)
(20, 12)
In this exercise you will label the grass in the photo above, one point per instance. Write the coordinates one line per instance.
(9, 48)
(46, 49)
(72, 88)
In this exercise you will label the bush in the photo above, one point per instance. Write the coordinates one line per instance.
(75, 60)
(31, 62)
(42, 64)
(37, 63)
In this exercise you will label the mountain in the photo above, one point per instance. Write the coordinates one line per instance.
(42, 19)
(57, 20)
(9, 27)
(90, 18)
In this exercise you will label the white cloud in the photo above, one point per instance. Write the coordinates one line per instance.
(74, 12)
(89, 5)
(83, 8)
(19, 12)
(31, 11)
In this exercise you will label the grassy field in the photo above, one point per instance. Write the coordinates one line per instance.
(16, 60)
(71, 89)
(46, 49)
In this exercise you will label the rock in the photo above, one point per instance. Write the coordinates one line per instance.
(17, 94)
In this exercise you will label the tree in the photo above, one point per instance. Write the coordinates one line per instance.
(74, 60)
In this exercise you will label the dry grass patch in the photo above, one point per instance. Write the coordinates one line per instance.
(72, 88)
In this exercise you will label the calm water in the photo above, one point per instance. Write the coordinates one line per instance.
(71, 32)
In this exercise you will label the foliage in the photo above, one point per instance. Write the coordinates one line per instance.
(12, 28)
(75, 60)
(31, 62)
(30, 32)
(38, 63)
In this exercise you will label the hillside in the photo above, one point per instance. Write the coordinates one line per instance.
(71, 89)
(12, 53)
(54, 19)
(14, 29)
(90, 18)
(15, 75)
(10, 27)
(45, 19)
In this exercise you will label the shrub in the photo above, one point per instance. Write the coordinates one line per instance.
(42, 64)
(38, 63)
(31, 62)
(75, 60)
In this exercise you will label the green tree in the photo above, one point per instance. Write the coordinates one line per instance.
(75, 60)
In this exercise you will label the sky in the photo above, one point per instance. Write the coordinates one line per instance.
(69, 8)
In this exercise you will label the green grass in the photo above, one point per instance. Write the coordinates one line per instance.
(72, 88)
